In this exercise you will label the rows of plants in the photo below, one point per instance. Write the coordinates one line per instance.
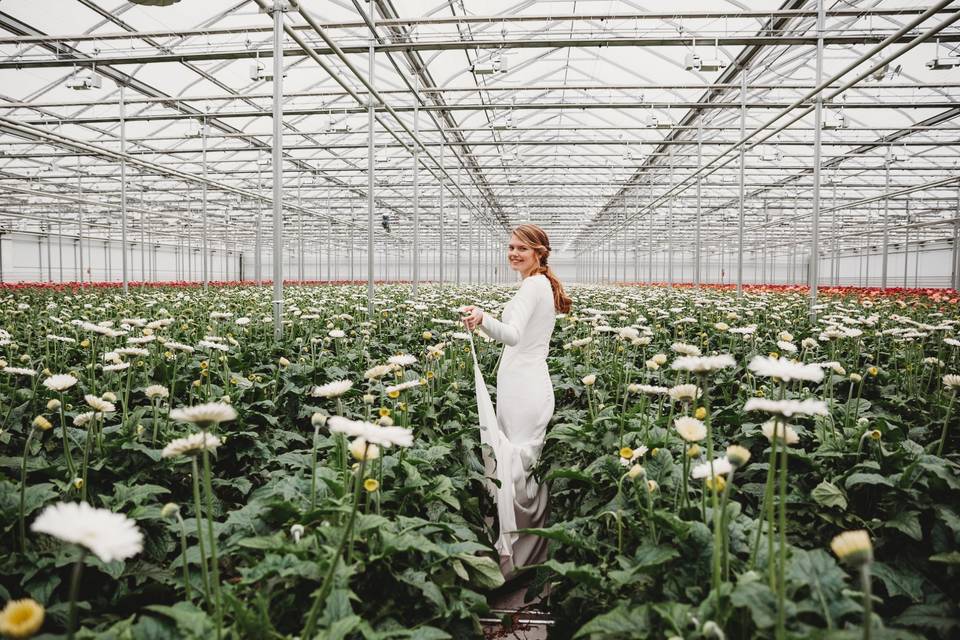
(170, 469)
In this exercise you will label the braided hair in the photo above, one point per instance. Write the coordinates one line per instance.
(536, 238)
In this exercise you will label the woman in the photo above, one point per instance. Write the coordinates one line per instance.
(524, 389)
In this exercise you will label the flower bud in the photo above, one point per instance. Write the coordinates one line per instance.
(296, 532)
(42, 423)
(169, 510)
(53, 405)
(636, 471)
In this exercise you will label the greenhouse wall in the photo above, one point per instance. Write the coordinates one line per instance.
(36, 258)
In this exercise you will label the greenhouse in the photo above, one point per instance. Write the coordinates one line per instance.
(384, 319)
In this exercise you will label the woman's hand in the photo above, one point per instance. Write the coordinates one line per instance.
(473, 318)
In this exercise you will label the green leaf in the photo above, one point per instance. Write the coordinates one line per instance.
(624, 622)
(759, 599)
(899, 581)
(855, 479)
(906, 522)
(484, 572)
(579, 574)
(191, 620)
(951, 557)
(827, 494)
(942, 619)
(651, 556)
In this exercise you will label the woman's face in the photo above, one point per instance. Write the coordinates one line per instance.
(522, 257)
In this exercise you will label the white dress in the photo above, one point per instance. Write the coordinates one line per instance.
(524, 407)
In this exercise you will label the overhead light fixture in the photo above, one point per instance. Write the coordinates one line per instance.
(502, 124)
(656, 122)
(154, 3)
(337, 127)
(943, 63)
(895, 155)
(85, 80)
(497, 64)
(258, 72)
(196, 129)
(834, 120)
(693, 61)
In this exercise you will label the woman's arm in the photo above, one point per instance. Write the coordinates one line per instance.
(521, 309)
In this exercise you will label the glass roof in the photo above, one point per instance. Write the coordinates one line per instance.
(596, 120)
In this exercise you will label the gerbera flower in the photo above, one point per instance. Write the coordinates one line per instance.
(784, 369)
(205, 414)
(108, 535)
(690, 429)
(60, 382)
(787, 408)
(332, 389)
(192, 444)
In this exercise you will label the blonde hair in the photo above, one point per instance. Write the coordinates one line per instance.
(536, 238)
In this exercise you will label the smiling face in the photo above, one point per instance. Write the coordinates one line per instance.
(522, 257)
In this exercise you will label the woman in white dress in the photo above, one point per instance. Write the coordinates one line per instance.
(524, 390)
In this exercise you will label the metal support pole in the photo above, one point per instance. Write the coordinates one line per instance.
(743, 129)
(441, 252)
(205, 250)
(123, 190)
(258, 239)
(470, 242)
(80, 220)
(906, 246)
(696, 251)
(459, 224)
(814, 266)
(886, 230)
(370, 159)
(277, 148)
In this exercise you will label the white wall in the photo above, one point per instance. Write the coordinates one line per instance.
(28, 258)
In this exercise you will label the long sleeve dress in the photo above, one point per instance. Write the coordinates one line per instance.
(525, 405)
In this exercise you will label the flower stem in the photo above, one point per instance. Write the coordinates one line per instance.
(71, 467)
(86, 458)
(198, 514)
(23, 490)
(74, 592)
(946, 421)
(867, 600)
(313, 476)
(782, 526)
(215, 568)
(183, 548)
(334, 561)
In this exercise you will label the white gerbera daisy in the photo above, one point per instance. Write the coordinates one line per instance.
(402, 360)
(787, 408)
(157, 392)
(785, 369)
(60, 382)
(377, 372)
(19, 371)
(337, 333)
(192, 444)
(721, 467)
(690, 429)
(108, 535)
(685, 392)
(685, 349)
(403, 386)
(178, 346)
(703, 364)
(113, 368)
(205, 414)
(99, 404)
(782, 431)
(332, 389)
(372, 433)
